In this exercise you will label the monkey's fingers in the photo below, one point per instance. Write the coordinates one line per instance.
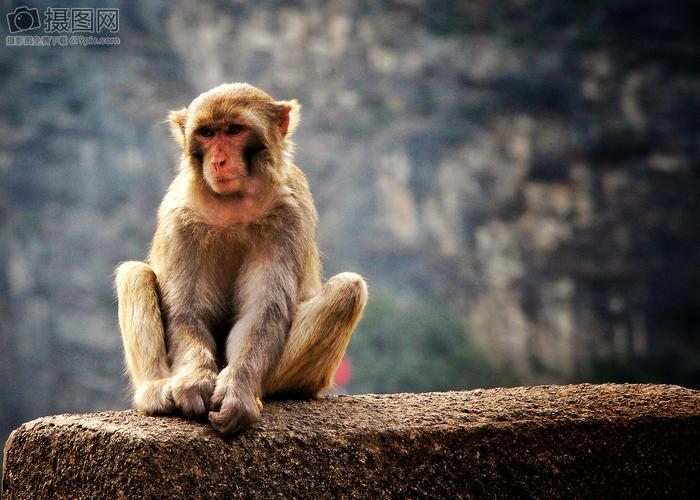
(222, 390)
(229, 422)
(193, 406)
(193, 397)
(217, 399)
(235, 415)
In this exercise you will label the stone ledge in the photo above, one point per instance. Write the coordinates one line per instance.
(549, 441)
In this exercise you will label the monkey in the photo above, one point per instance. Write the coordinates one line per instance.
(229, 307)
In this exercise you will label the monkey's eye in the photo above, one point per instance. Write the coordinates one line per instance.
(205, 132)
(234, 129)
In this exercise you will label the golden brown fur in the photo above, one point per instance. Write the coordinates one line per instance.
(233, 280)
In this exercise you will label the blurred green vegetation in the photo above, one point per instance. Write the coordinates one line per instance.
(662, 367)
(401, 347)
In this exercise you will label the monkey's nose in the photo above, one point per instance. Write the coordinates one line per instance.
(218, 163)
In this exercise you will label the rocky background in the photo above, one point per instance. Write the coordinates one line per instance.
(519, 182)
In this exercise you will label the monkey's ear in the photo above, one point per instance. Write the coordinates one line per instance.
(177, 125)
(290, 112)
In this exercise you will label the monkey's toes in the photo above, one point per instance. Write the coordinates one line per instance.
(193, 398)
(154, 398)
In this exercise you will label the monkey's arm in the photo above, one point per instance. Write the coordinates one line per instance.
(268, 295)
(192, 351)
(186, 301)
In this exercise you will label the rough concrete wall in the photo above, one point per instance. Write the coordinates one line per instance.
(549, 441)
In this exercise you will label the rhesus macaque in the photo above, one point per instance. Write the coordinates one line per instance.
(229, 306)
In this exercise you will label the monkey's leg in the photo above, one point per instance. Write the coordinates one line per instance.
(318, 337)
(143, 336)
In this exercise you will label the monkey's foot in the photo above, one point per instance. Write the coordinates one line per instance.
(154, 397)
(233, 409)
(191, 391)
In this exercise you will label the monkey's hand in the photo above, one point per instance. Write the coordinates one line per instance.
(191, 390)
(234, 407)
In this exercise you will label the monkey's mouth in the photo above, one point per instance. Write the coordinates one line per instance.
(223, 179)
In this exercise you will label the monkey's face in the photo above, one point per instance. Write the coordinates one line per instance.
(225, 150)
(235, 133)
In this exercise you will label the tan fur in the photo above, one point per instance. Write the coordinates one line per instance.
(234, 280)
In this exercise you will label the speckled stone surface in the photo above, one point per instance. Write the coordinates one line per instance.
(579, 441)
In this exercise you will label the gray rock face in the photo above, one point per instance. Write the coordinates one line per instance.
(579, 441)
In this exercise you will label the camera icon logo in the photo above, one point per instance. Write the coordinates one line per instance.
(23, 19)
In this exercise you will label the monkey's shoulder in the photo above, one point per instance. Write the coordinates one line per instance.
(297, 179)
(299, 194)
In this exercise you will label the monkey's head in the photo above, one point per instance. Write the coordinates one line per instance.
(233, 132)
